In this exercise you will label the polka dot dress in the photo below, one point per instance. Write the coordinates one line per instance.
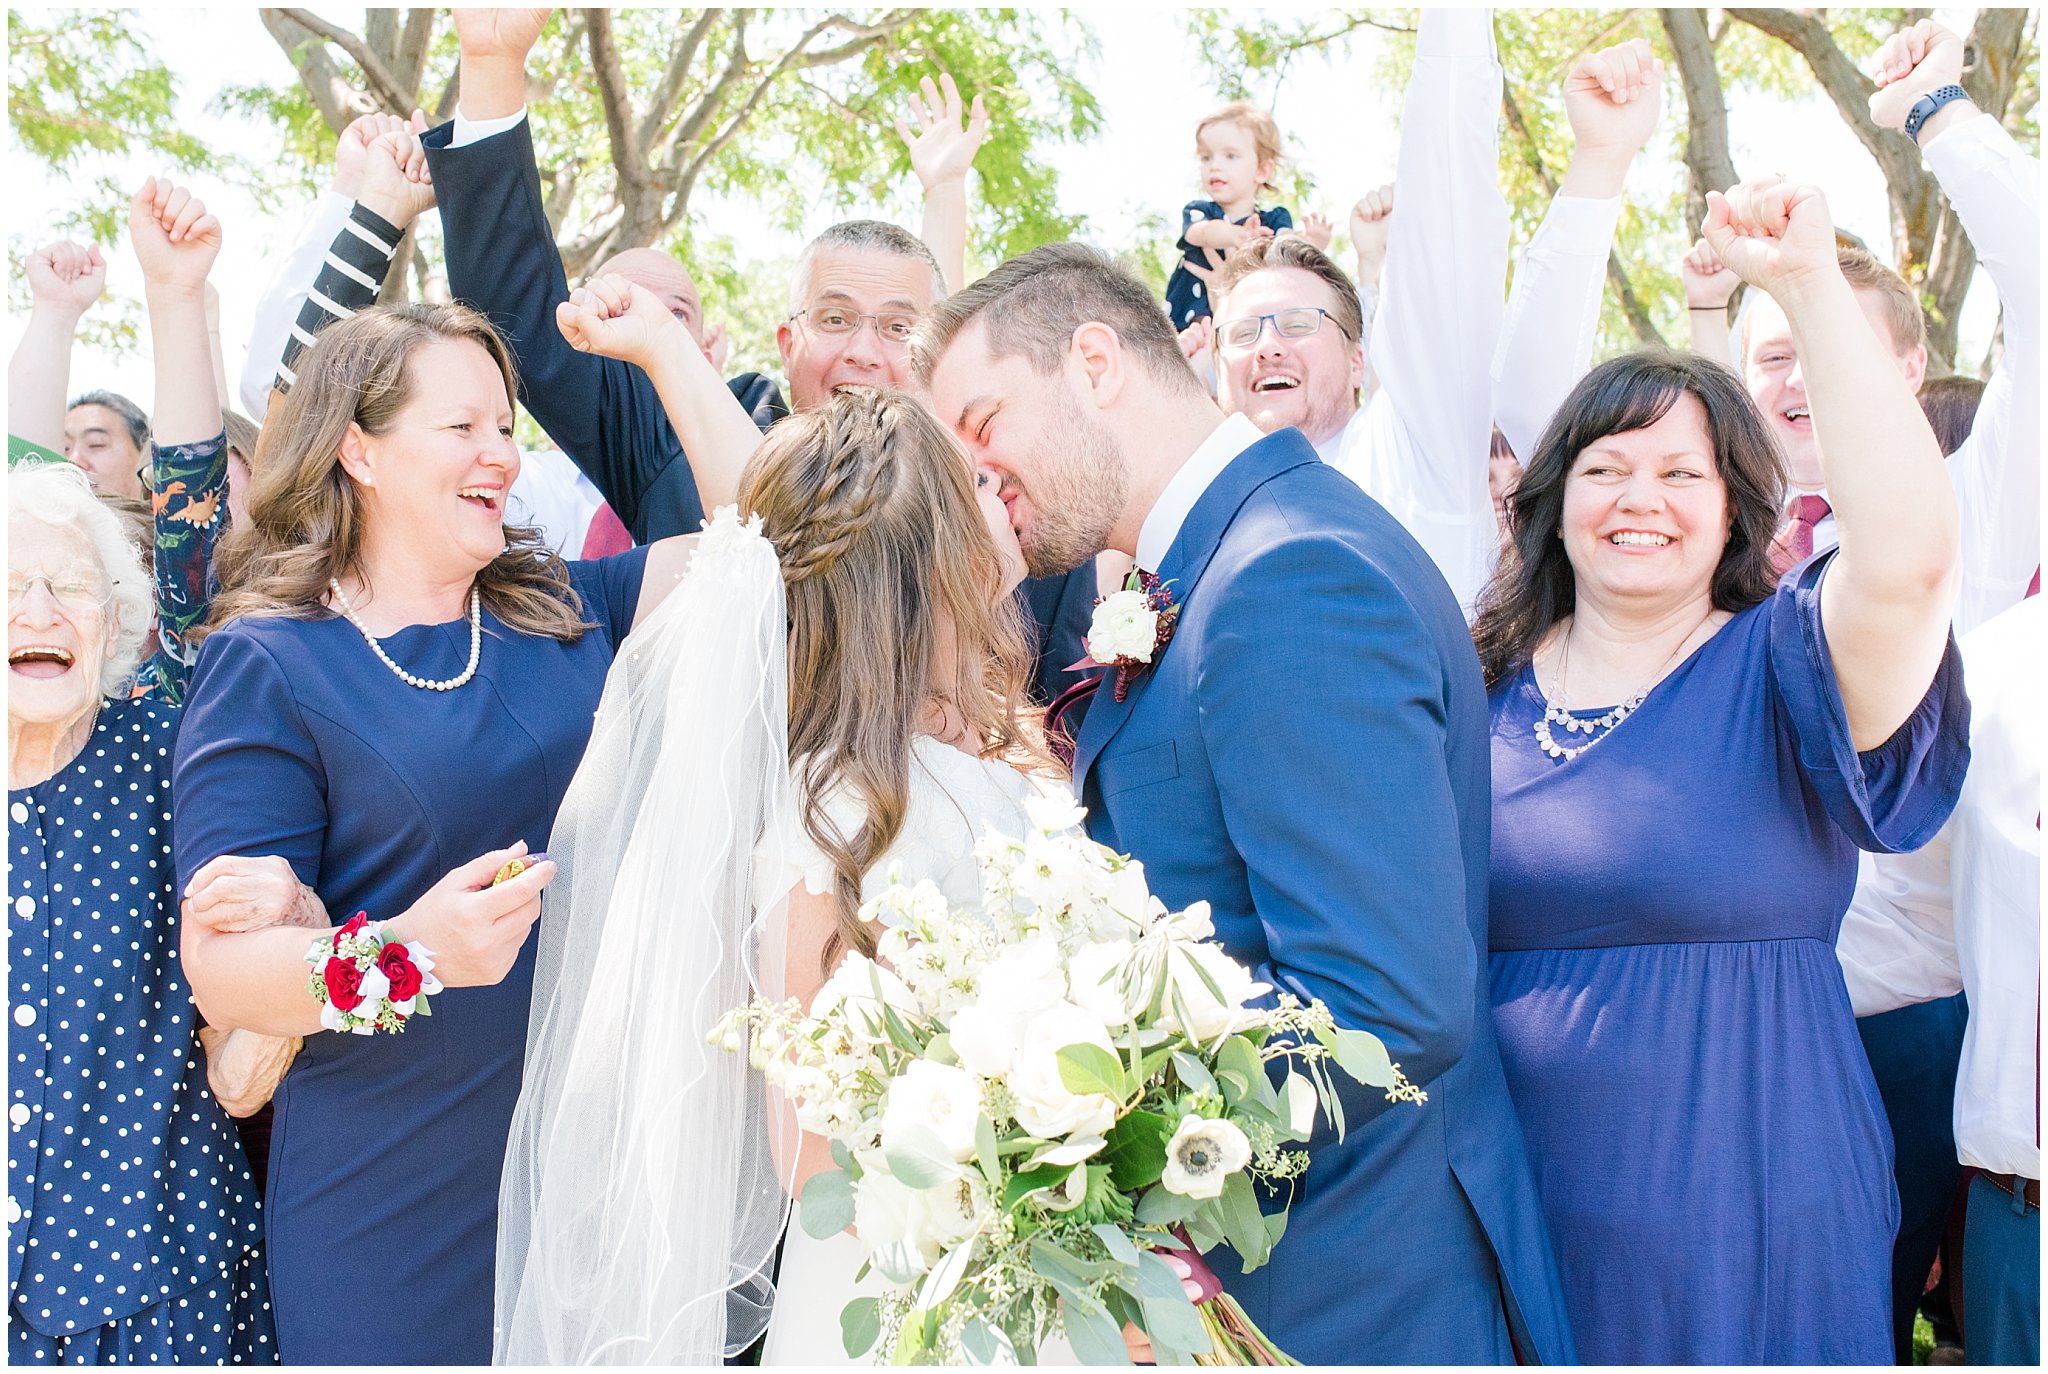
(133, 1222)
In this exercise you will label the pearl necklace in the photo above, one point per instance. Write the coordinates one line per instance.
(476, 642)
(1558, 712)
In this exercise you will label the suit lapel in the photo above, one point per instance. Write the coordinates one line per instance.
(1185, 561)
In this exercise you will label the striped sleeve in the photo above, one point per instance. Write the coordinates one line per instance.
(350, 276)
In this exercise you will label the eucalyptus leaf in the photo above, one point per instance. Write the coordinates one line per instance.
(860, 1326)
(1161, 1206)
(1086, 1068)
(984, 1344)
(828, 1204)
(1096, 1336)
(917, 1157)
(1364, 1056)
(1193, 1073)
(1052, 1260)
(1170, 1319)
(1117, 1243)
(1245, 1223)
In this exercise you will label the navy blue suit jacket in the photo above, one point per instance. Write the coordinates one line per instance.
(603, 413)
(1310, 755)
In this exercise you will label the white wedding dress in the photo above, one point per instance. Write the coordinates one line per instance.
(954, 798)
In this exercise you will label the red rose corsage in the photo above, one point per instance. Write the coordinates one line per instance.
(365, 983)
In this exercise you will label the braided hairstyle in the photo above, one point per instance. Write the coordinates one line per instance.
(896, 602)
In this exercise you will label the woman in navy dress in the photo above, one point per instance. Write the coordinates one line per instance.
(1686, 759)
(134, 1236)
(398, 695)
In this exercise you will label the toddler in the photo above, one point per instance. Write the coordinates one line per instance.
(1238, 149)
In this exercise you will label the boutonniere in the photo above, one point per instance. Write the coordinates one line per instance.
(1130, 629)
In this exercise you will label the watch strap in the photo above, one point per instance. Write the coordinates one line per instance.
(1924, 108)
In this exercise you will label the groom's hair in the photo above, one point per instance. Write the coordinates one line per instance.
(1033, 304)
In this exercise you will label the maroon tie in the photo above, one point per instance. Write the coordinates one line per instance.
(1795, 540)
(606, 535)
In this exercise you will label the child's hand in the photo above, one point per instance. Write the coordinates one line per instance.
(1372, 222)
(612, 317)
(1318, 230)
(717, 345)
(1708, 283)
(1196, 339)
(943, 149)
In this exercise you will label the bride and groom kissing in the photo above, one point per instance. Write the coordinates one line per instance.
(1306, 751)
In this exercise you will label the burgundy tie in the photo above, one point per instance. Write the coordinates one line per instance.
(606, 535)
(1795, 540)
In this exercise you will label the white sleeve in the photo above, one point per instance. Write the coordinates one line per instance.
(1430, 424)
(1995, 188)
(278, 308)
(468, 131)
(1553, 317)
(1898, 939)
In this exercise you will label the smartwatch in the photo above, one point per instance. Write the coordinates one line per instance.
(1924, 108)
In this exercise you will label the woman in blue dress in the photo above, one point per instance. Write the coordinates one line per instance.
(397, 695)
(1686, 759)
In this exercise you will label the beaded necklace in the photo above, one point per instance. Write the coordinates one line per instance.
(476, 642)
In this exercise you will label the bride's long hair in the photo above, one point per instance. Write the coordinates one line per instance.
(896, 604)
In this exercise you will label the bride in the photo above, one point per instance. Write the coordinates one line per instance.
(834, 688)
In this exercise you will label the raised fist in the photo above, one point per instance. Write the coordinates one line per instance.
(1372, 221)
(943, 148)
(1919, 58)
(67, 277)
(1612, 98)
(1771, 232)
(175, 239)
(395, 180)
(1709, 284)
(612, 317)
(351, 150)
(499, 33)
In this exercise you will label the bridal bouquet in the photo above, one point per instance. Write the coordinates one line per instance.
(1028, 1103)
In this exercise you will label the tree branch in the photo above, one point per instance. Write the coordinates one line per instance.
(413, 47)
(1631, 306)
(384, 87)
(636, 185)
(1707, 159)
(336, 100)
(706, 104)
(682, 57)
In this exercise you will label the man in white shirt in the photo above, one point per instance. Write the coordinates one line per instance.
(1964, 914)
(1418, 445)
(1994, 187)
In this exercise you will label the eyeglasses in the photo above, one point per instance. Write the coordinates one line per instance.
(72, 592)
(893, 329)
(1296, 323)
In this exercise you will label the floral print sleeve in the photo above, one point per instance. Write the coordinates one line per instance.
(191, 500)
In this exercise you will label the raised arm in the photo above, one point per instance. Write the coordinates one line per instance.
(65, 279)
(1612, 98)
(1995, 188)
(1709, 286)
(1886, 603)
(941, 151)
(1372, 222)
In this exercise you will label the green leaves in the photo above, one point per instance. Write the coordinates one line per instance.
(1362, 1055)
(917, 1158)
(860, 1326)
(1136, 1149)
(828, 1204)
(1091, 1069)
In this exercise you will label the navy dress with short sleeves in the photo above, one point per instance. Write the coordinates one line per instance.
(387, 1149)
(1187, 299)
(1709, 1144)
(133, 1226)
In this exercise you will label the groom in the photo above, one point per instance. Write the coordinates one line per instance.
(1309, 754)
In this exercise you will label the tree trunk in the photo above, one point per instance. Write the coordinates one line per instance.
(1708, 162)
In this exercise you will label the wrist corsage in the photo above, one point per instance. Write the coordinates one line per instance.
(365, 983)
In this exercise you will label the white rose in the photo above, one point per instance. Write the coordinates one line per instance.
(1201, 1155)
(1053, 812)
(1046, 1106)
(1124, 627)
(1020, 982)
(1095, 981)
(943, 1099)
(1208, 1016)
(919, 1223)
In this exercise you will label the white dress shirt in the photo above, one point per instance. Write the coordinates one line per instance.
(1553, 317)
(1995, 188)
(1419, 447)
(1964, 914)
(1162, 523)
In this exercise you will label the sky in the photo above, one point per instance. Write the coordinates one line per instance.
(1338, 128)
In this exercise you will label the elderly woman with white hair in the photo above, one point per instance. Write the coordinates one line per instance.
(132, 1217)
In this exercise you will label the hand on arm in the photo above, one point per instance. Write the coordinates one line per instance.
(1887, 600)
(494, 45)
(1612, 99)
(1916, 61)
(1709, 286)
(176, 241)
(941, 150)
(65, 280)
